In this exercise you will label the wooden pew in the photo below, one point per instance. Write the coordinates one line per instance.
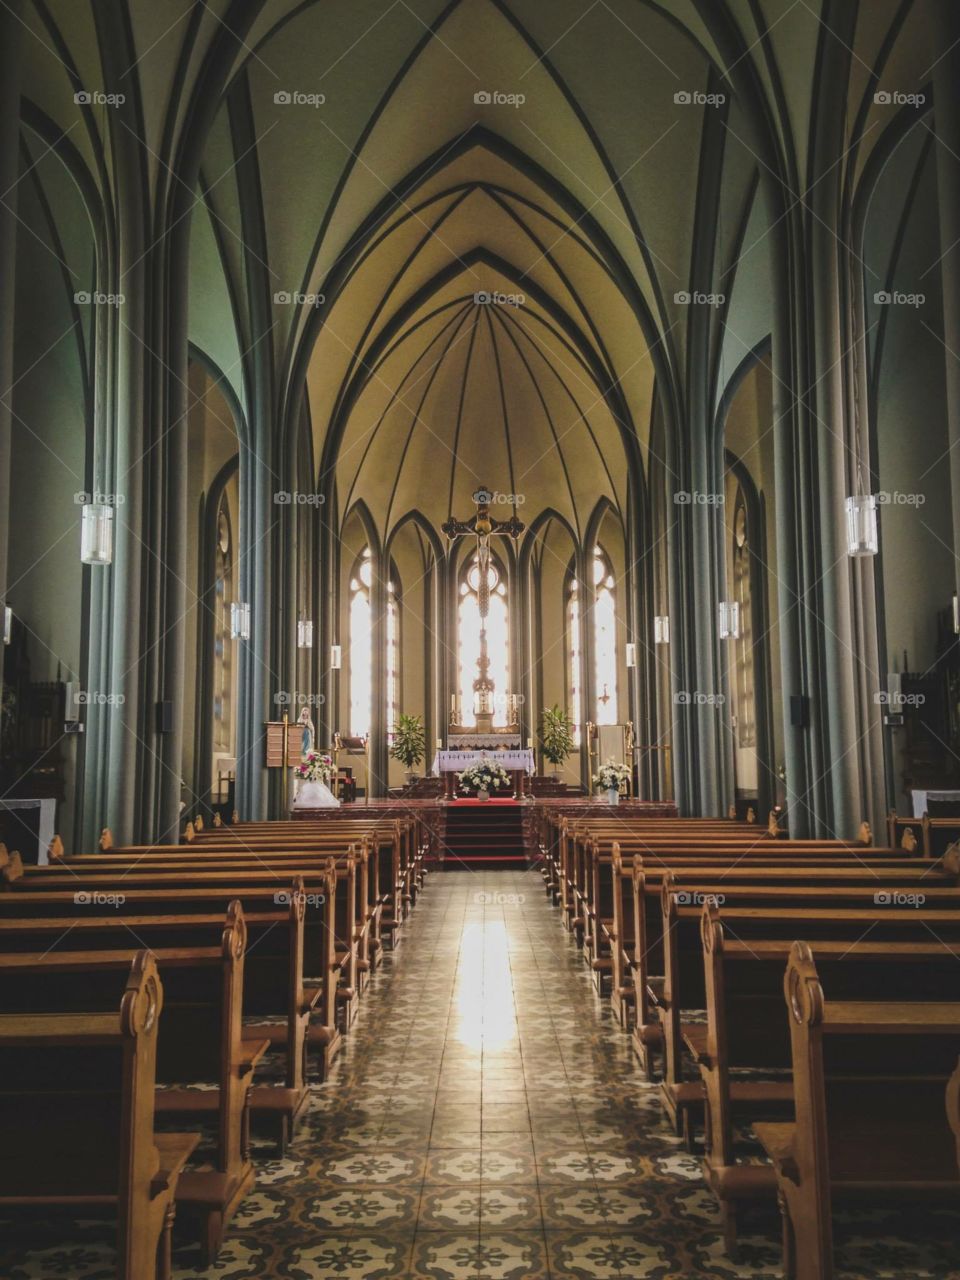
(407, 833)
(275, 991)
(869, 1081)
(201, 1043)
(953, 1106)
(617, 931)
(578, 842)
(614, 937)
(684, 988)
(648, 961)
(340, 927)
(746, 1036)
(341, 887)
(77, 1093)
(606, 895)
(381, 884)
(584, 845)
(930, 837)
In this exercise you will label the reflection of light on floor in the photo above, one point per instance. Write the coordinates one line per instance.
(488, 1019)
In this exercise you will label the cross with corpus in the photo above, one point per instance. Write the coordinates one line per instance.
(483, 526)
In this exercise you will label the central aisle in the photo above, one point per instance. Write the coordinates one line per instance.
(486, 1119)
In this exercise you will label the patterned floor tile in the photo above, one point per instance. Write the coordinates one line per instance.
(339, 1257)
(506, 1206)
(605, 1256)
(364, 1207)
(494, 1256)
(448, 1167)
(449, 1208)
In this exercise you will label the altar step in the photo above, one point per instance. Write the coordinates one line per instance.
(489, 837)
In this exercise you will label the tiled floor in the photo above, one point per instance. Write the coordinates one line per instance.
(486, 1119)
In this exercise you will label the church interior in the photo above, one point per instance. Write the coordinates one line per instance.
(480, 725)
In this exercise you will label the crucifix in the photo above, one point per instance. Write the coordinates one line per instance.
(483, 527)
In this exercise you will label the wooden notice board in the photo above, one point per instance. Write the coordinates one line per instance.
(276, 744)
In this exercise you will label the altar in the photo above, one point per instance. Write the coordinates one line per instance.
(456, 761)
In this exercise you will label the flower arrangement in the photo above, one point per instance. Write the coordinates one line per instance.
(611, 776)
(317, 767)
(486, 775)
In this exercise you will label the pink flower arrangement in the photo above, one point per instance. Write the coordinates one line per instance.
(317, 767)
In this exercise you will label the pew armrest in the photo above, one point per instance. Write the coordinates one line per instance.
(175, 1150)
(695, 1038)
(252, 1050)
(777, 1140)
(312, 992)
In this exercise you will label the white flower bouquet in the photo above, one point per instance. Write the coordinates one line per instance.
(486, 775)
(611, 776)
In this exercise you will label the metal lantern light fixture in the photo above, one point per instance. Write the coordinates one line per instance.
(96, 533)
(862, 536)
(729, 619)
(239, 620)
(661, 629)
(304, 634)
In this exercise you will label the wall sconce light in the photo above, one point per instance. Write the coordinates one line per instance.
(8, 623)
(661, 629)
(631, 654)
(729, 619)
(862, 536)
(304, 634)
(96, 534)
(336, 657)
(239, 621)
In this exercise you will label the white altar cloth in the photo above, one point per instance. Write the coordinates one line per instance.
(920, 799)
(457, 761)
(483, 741)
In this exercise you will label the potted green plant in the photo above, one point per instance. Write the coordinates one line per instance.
(409, 742)
(556, 736)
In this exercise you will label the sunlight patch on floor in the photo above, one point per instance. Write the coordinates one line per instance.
(487, 1015)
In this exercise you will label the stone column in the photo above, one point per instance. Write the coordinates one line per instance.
(11, 29)
(832, 597)
(945, 48)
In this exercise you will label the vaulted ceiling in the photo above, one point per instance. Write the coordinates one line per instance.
(360, 183)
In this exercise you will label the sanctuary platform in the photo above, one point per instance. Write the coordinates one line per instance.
(483, 835)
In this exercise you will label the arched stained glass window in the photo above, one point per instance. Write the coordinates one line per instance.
(605, 637)
(222, 649)
(498, 639)
(393, 651)
(574, 691)
(361, 644)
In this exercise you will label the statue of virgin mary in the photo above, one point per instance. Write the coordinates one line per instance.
(308, 733)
